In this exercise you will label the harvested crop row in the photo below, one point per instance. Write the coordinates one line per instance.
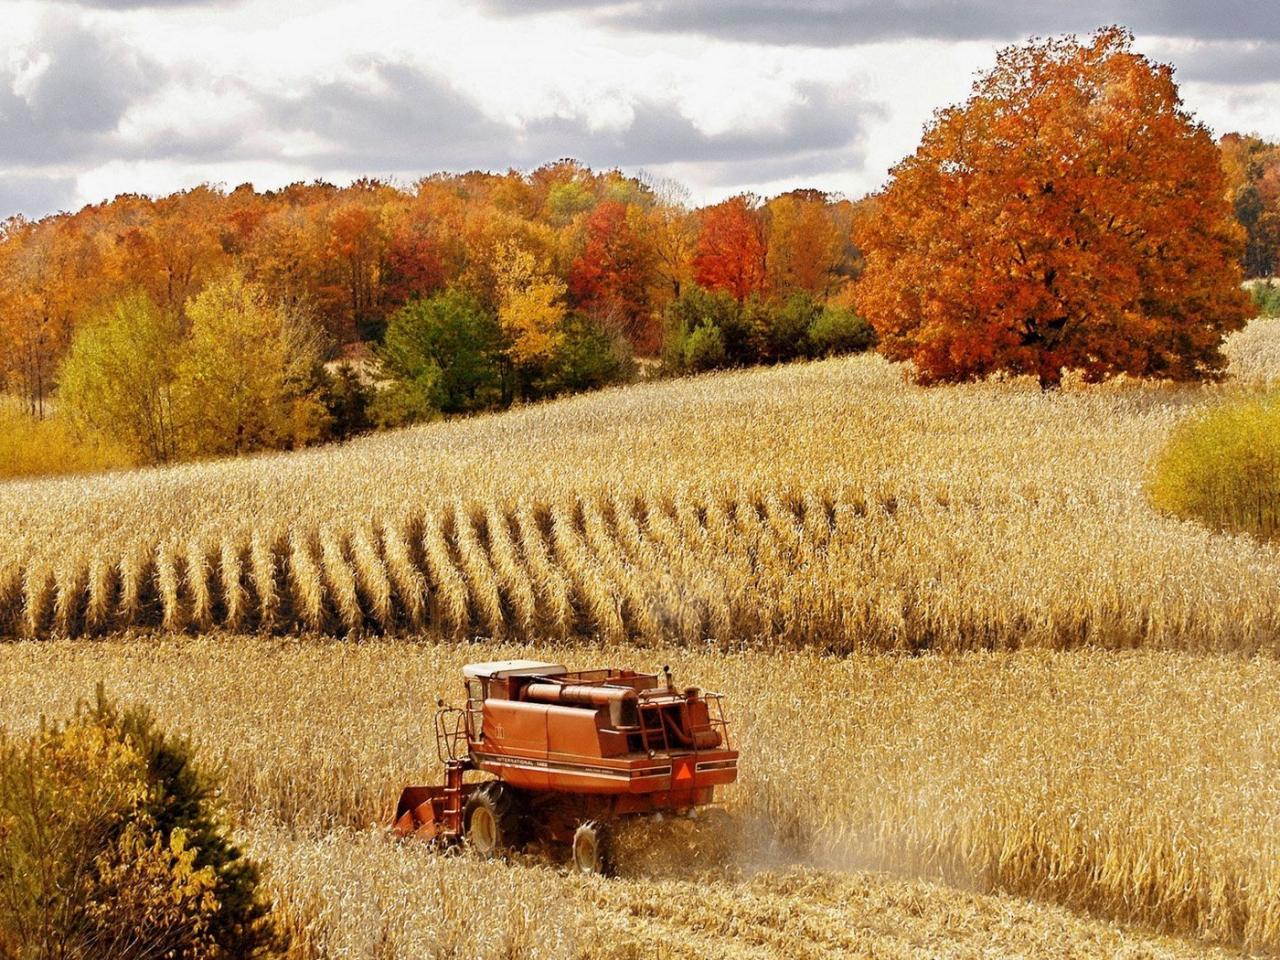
(343, 895)
(843, 570)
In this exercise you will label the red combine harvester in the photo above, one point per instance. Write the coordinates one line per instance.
(572, 753)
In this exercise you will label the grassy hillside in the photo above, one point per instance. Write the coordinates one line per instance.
(830, 503)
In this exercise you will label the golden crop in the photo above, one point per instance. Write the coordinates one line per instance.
(1136, 786)
(1254, 352)
(830, 504)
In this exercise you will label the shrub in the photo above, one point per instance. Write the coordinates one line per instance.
(588, 357)
(704, 349)
(835, 331)
(1223, 468)
(31, 447)
(780, 332)
(445, 353)
(1266, 297)
(407, 401)
(110, 846)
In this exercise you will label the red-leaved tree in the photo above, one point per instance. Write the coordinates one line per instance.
(1070, 215)
(731, 249)
(613, 276)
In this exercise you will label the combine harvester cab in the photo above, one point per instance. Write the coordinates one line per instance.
(570, 754)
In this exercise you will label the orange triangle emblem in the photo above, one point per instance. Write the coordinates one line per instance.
(684, 771)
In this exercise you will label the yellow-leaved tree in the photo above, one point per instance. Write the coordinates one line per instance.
(247, 375)
(116, 381)
(530, 304)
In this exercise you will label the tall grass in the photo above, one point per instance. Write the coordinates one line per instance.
(32, 448)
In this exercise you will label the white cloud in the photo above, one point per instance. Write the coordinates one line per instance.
(113, 96)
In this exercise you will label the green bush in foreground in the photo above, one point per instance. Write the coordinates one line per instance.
(1223, 468)
(110, 847)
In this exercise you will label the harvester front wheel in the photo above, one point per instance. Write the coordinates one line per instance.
(493, 819)
(592, 849)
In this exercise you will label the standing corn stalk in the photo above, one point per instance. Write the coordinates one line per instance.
(477, 570)
(340, 580)
(512, 576)
(552, 585)
(263, 550)
(409, 584)
(449, 591)
(371, 576)
(308, 586)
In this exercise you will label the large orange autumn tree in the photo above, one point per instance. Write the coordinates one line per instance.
(1070, 215)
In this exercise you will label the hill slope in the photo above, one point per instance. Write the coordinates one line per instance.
(827, 503)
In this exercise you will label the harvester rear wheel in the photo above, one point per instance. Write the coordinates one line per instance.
(493, 819)
(593, 848)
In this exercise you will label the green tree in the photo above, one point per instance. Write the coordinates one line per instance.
(250, 372)
(704, 349)
(589, 357)
(836, 330)
(698, 307)
(1266, 297)
(117, 379)
(445, 354)
(346, 398)
(780, 331)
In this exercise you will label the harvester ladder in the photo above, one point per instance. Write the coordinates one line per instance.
(452, 808)
(451, 735)
(474, 718)
(647, 733)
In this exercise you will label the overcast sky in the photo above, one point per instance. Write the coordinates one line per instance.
(98, 98)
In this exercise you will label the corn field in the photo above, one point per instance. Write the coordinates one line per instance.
(1254, 353)
(1135, 786)
(831, 504)
(767, 533)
